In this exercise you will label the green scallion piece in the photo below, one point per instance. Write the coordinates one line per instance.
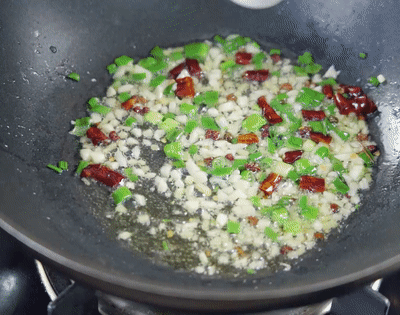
(173, 150)
(121, 194)
(157, 52)
(295, 142)
(190, 126)
(147, 62)
(330, 81)
(209, 98)
(153, 117)
(188, 109)
(169, 124)
(227, 65)
(122, 61)
(301, 72)
(367, 161)
(341, 186)
(292, 226)
(275, 52)
(165, 245)
(275, 73)
(374, 81)
(233, 227)
(81, 126)
(239, 164)
(138, 76)
(282, 96)
(313, 68)
(255, 156)
(178, 164)
(222, 171)
(342, 135)
(254, 122)
(176, 55)
(317, 126)
(193, 149)
(280, 215)
(293, 175)
(209, 123)
(168, 90)
(74, 76)
(310, 97)
(362, 55)
(158, 66)
(256, 201)
(246, 175)
(81, 166)
(101, 109)
(112, 68)
(54, 168)
(271, 146)
(250, 271)
(271, 233)
(123, 97)
(131, 176)
(305, 59)
(310, 212)
(63, 165)
(322, 152)
(158, 80)
(130, 121)
(196, 50)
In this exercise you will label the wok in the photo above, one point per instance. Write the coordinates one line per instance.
(41, 41)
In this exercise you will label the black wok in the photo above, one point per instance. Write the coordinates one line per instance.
(53, 215)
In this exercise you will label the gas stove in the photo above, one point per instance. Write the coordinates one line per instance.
(29, 287)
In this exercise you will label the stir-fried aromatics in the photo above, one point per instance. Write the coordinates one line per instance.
(262, 157)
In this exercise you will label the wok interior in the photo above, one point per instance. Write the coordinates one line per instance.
(53, 214)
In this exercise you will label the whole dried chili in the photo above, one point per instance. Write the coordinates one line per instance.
(185, 87)
(269, 185)
(311, 183)
(268, 112)
(243, 58)
(292, 156)
(256, 75)
(96, 135)
(313, 115)
(135, 99)
(318, 137)
(194, 68)
(248, 138)
(328, 91)
(102, 174)
(175, 72)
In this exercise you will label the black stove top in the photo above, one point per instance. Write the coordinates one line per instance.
(23, 291)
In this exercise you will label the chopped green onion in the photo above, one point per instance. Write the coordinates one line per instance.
(258, 59)
(367, 161)
(303, 166)
(295, 142)
(330, 81)
(293, 175)
(227, 65)
(303, 202)
(322, 152)
(301, 72)
(169, 124)
(342, 135)
(153, 117)
(122, 61)
(158, 80)
(165, 245)
(157, 52)
(280, 215)
(233, 227)
(250, 271)
(147, 62)
(74, 76)
(173, 150)
(176, 55)
(246, 175)
(112, 68)
(317, 126)
(305, 59)
(282, 96)
(341, 186)
(190, 126)
(292, 226)
(222, 171)
(209, 123)
(374, 81)
(239, 163)
(169, 115)
(256, 201)
(255, 156)
(313, 68)
(81, 126)
(188, 109)
(271, 146)
(331, 109)
(209, 98)
(81, 166)
(54, 168)
(196, 50)
(101, 109)
(121, 194)
(63, 165)
(138, 76)
(276, 73)
(271, 233)
(123, 97)
(275, 52)
(168, 90)
(130, 121)
(219, 39)
(178, 164)
(131, 176)
(254, 122)
(310, 212)
(362, 55)
(174, 134)
(266, 162)
(193, 149)
(310, 97)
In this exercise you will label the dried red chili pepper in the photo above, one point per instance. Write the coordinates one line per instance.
(96, 135)
(252, 220)
(248, 138)
(243, 58)
(285, 249)
(212, 134)
(286, 86)
(229, 157)
(318, 137)
(175, 72)
(356, 102)
(185, 87)
(132, 101)
(362, 137)
(313, 115)
(334, 208)
(269, 185)
(328, 91)
(319, 236)
(254, 167)
(311, 183)
(343, 104)
(264, 131)
(194, 68)
(268, 112)
(141, 110)
(256, 75)
(275, 58)
(113, 136)
(102, 174)
(292, 156)
(231, 97)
